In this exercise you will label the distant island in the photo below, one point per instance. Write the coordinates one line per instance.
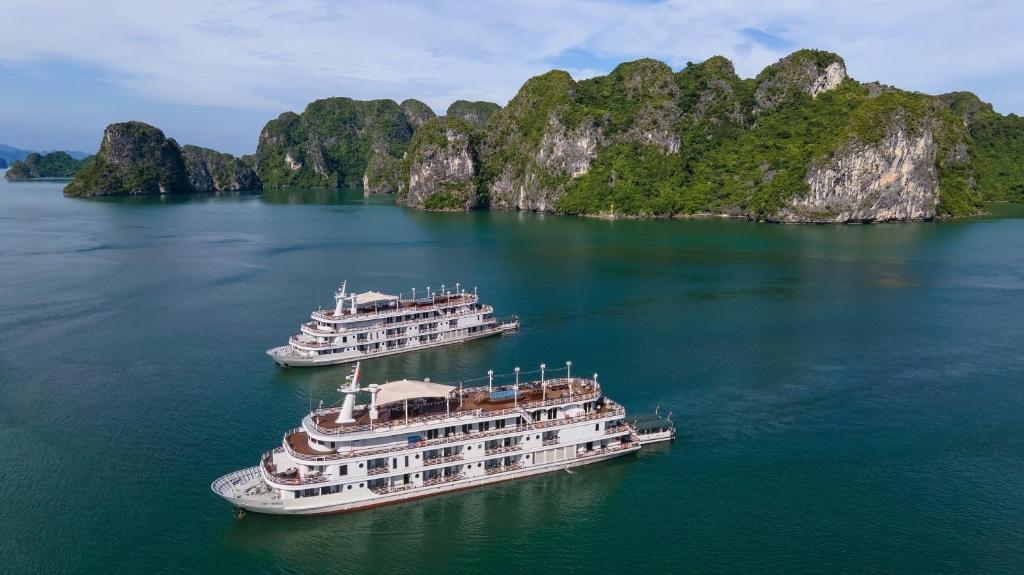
(800, 142)
(51, 165)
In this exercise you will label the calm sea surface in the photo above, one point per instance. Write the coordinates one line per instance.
(850, 398)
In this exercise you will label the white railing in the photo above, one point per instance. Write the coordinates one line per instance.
(454, 416)
(328, 314)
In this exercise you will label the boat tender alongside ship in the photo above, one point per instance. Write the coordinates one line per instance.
(373, 324)
(416, 438)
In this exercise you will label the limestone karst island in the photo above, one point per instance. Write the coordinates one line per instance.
(800, 142)
(487, 288)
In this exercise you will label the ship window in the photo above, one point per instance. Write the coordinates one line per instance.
(394, 462)
(360, 466)
(343, 470)
(417, 456)
(350, 487)
(469, 447)
(417, 475)
(407, 461)
(360, 485)
(597, 426)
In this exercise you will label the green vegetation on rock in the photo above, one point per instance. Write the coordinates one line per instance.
(52, 165)
(439, 169)
(476, 113)
(136, 158)
(330, 144)
(644, 141)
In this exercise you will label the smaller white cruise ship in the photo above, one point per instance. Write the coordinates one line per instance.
(416, 438)
(373, 324)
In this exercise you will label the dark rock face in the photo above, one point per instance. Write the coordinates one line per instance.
(476, 113)
(212, 171)
(332, 142)
(441, 166)
(812, 72)
(382, 174)
(136, 158)
(416, 112)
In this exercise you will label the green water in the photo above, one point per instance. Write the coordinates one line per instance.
(850, 399)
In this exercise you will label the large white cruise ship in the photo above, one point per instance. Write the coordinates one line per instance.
(373, 324)
(418, 438)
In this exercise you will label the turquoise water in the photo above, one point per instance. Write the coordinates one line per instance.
(850, 398)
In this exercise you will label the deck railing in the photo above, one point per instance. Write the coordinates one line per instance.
(443, 479)
(443, 459)
(488, 328)
(457, 437)
(503, 468)
(455, 415)
(322, 314)
(485, 309)
(503, 449)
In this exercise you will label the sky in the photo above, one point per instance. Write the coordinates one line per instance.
(213, 72)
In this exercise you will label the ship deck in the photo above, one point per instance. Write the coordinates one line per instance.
(402, 305)
(473, 401)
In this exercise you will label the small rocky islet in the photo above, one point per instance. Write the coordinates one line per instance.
(800, 142)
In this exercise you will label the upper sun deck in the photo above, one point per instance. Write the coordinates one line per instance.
(470, 404)
(386, 307)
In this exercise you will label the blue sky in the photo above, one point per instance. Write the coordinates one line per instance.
(212, 73)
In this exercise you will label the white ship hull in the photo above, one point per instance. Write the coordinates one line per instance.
(326, 507)
(285, 355)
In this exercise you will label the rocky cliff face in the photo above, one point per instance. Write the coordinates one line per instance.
(212, 171)
(136, 158)
(332, 142)
(812, 72)
(441, 166)
(476, 113)
(895, 179)
(382, 174)
(416, 112)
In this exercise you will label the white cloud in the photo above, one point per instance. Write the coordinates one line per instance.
(271, 55)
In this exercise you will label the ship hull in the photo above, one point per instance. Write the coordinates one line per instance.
(291, 360)
(294, 507)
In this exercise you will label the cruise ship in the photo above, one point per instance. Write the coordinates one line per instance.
(417, 438)
(374, 324)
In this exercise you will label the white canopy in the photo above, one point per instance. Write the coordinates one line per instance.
(411, 389)
(372, 296)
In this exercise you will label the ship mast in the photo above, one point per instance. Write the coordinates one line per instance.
(350, 391)
(339, 299)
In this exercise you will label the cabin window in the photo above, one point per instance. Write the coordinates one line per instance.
(407, 461)
(597, 426)
(343, 470)
(394, 462)
(350, 487)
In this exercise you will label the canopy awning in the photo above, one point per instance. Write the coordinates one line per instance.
(368, 297)
(411, 389)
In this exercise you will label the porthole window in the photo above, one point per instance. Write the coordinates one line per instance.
(417, 475)
(360, 485)
(468, 447)
(538, 437)
(479, 464)
(360, 466)
(417, 456)
(350, 487)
